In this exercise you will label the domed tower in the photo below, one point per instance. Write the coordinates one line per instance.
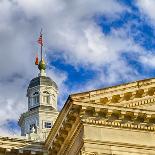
(42, 112)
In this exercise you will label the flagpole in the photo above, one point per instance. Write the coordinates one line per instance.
(41, 52)
(41, 45)
(41, 65)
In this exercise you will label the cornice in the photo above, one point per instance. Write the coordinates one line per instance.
(120, 117)
(98, 115)
(116, 107)
(128, 95)
(72, 134)
(64, 129)
(122, 87)
(59, 122)
(21, 146)
(110, 116)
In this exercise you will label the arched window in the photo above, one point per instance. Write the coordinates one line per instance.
(46, 97)
(46, 92)
(34, 99)
(32, 126)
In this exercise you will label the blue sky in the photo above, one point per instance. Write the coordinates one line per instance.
(88, 44)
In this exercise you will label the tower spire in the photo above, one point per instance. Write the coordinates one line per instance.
(42, 112)
(41, 65)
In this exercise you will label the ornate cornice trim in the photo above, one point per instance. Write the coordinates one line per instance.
(74, 132)
(62, 127)
(119, 124)
(120, 117)
(66, 130)
(21, 146)
(99, 108)
(127, 95)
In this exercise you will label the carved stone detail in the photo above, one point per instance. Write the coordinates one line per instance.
(120, 117)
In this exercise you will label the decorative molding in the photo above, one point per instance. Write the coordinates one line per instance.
(21, 146)
(119, 117)
(126, 95)
(73, 134)
(94, 114)
(116, 107)
(58, 124)
(59, 140)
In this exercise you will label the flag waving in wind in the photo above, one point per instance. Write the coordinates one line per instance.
(40, 40)
(37, 61)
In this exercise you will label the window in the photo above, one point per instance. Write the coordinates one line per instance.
(46, 92)
(32, 126)
(48, 125)
(46, 97)
(29, 100)
(36, 93)
(34, 99)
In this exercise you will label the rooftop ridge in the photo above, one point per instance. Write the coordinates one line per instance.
(137, 83)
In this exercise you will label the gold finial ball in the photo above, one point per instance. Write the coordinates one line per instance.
(42, 65)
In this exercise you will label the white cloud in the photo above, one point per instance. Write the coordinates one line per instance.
(148, 60)
(70, 30)
(147, 11)
(147, 8)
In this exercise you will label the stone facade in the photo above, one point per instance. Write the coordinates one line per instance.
(118, 120)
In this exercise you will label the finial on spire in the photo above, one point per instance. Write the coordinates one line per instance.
(41, 65)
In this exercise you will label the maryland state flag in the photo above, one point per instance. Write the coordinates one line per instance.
(36, 62)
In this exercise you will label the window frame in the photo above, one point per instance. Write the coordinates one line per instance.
(47, 124)
(31, 126)
(34, 99)
(46, 97)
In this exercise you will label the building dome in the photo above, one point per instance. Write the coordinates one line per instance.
(42, 80)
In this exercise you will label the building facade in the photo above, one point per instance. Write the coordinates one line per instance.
(42, 112)
(118, 120)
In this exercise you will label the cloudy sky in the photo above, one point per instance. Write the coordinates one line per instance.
(88, 44)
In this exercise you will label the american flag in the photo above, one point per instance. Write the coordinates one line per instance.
(40, 40)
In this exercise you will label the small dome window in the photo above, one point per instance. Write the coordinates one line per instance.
(46, 92)
(47, 124)
(34, 99)
(35, 93)
(46, 97)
